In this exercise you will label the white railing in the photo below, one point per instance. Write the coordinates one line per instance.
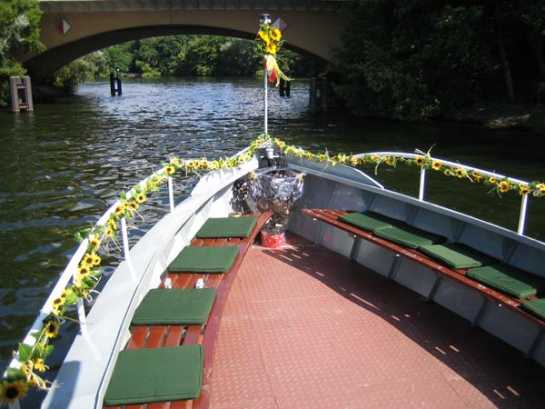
(422, 183)
(72, 267)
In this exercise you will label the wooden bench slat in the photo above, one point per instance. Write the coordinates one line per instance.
(457, 275)
(138, 337)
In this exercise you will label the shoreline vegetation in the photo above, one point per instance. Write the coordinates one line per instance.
(479, 62)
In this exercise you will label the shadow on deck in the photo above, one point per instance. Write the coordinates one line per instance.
(467, 358)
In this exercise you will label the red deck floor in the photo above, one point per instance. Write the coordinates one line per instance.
(306, 328)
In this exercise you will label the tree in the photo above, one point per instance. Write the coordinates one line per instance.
(415, 59)
(19, 34)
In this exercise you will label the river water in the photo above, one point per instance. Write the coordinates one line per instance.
(63, 164)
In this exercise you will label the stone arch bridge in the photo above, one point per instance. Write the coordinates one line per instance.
(73, 28)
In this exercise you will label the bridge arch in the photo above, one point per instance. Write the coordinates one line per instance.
(98, 24)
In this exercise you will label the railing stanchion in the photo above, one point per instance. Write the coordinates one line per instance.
(14, 405)
(422, 186)
(126, 249)
(522, 214)
(171, 194)
(81, 316)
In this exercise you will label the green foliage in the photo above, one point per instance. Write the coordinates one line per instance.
(70, 76)
(189, 56)
(19, 34)
(415, 59)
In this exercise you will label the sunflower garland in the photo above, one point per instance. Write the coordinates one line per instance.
(32, 358)
(422, 161)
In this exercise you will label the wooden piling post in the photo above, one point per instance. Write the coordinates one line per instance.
(288, 89)
(119, 89)
(112, 84)
(28, 93)
(21, 94)
(13, 88)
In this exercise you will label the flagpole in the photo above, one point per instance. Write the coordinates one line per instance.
(266, 87)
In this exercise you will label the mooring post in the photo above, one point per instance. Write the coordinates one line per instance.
(14, 94)
(112, 84)
(21, 93)
(281, 88)
(288, 89)
(118, 81)
(28, 93)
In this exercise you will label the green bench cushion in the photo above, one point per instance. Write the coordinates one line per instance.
(503, 278)
(204, 259)
(175, 306)
(227, 227)
(536, 307)
(452, 255)
(156, 375)
(407, 236)
(366, 221)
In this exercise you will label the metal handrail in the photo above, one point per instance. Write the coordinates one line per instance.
(72, 266)
(422, 182)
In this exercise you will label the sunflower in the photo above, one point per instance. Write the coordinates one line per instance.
(264, 36)
(276, 34)
(354, 161)
(40, 365)
(504, 186)
(492, 180)
(11, 392)
(436, 165)
(524, 190)
(110, 232)
(460, 172)
(52, 328)
(271, 49)
(58, 304)
(87, 260)
(419, 160)
(140, 198)
(112, 224)
(120, 209)
(133, 206)
(96, 259)
(170, 170)
(390, 161)
(94, 240)
(541, 187)
(476, 176)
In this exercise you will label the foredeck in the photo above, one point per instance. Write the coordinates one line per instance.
(306, 328)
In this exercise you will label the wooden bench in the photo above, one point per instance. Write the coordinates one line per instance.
(158, 336)
(332, 217)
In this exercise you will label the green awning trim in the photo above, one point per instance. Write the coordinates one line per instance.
(451, 255)
(367, 221)
(505, 279)
(175, 306)
(156, 375)
(536, 307)
(224, 227)
(407, 236)
(204, 259)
